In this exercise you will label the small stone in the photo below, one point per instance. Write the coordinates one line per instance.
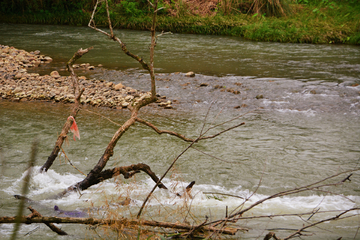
(99, 65)
(47, 59)
(162, 104)
(125, 104)
(91, 68)
(260, 96)
(132, 91)
(119, 86)
(37, 63)
(190, 74)
(34, 75)
(18, 76)
(313, 92)
(204, 84)
(128, 98)
(55, 74)
(82, 78)
(109, 84)
(17, 90)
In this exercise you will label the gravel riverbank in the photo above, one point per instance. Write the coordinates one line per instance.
(19, 85)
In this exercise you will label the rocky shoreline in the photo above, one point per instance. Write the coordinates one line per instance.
(19, 85)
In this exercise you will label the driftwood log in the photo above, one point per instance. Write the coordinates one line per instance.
(119, 222)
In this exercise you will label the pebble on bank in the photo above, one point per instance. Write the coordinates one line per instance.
(19, 85)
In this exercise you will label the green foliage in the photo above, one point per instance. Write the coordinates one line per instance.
(271, 7)
(31, 6)
(130, 8)
(312, 21)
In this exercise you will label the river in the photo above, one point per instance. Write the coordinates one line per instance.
(299, 102)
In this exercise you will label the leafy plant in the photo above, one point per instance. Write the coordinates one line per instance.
(271, 7)
(130, 8)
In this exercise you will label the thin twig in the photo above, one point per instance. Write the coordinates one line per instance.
(337, 217)
(25, 188)
(182, 136)
(118, 124)
(224, 194)
(50, 225)
(312, 186)
(214, 156)
(162, 177)
(67, 158)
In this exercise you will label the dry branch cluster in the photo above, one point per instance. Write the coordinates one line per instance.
(99, 173)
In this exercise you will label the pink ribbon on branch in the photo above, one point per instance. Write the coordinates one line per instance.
(74, 128)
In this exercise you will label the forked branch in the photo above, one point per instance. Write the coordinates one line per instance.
(182, 136)
(337, 217)
(111, 35)
(77, 93)
(50, 225)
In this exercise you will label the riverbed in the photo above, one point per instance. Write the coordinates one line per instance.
(299, 102)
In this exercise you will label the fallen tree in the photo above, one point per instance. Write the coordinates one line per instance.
(99, 173)
(35, 217)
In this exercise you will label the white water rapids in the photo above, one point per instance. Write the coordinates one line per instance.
(300, 105)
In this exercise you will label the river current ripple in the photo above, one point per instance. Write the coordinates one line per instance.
(299, 102)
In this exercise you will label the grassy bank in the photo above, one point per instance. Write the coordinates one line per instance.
(308, 21)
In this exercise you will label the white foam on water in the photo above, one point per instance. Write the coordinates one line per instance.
(308, 112)
(47, 184)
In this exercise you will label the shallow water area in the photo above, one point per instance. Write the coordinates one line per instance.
(299, 129)
(209, 55)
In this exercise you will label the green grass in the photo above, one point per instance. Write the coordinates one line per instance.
(317, 22)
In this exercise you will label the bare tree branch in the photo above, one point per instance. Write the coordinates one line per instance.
(162, 177)
(119, 222)
(127, 172)
(149, 68)
(164, 131)
(312, 186)
(77, 93)
(337, 217)
(182, 136)
(50, 225)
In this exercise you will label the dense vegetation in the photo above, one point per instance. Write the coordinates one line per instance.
(301, 21)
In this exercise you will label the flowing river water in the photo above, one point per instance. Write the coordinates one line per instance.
(299, 102)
